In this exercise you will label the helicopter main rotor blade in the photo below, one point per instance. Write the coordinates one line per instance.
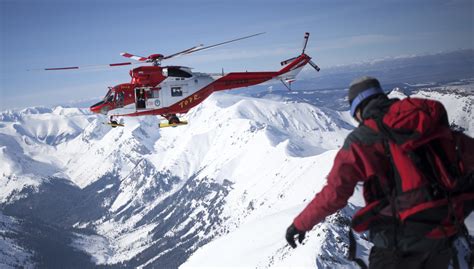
(150, 58)
(187, 51)
(134, 57)
(80, 67)
(200, 48)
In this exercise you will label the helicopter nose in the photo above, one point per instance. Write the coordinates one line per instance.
(95, 109)
(98, 108)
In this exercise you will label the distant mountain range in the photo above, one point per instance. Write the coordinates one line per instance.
(441, 67)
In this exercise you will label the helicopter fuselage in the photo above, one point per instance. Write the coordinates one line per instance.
(156, 90)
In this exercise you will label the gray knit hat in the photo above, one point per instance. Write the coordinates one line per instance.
(361, 89)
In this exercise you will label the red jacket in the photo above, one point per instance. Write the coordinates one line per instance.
(362, 159)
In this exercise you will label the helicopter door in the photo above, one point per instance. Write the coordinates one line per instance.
(147, 98)
(140, 98)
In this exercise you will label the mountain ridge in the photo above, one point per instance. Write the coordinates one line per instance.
(142, 197)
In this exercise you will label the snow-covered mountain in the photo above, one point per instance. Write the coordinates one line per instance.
(12, 254)
(217, 192)
(429, 68)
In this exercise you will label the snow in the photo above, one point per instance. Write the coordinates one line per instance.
(12, 255)
(28, 140)
(96, 246)
(459, 104)
(458, 101)
(261, 235)
(11, 187)
(105, 188)
(248, 132)
(258, 240)
(104, 251)
(273, 154)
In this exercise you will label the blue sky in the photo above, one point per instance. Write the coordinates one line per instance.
(63, 33)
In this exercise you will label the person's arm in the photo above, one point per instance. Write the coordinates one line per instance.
(346, 172)
(466, 147)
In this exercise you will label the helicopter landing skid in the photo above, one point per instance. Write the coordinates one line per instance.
(167, 124)
(114, 124)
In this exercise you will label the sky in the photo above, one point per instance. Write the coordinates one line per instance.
(54, 33)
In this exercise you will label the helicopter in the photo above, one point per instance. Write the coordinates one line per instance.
(171, 90)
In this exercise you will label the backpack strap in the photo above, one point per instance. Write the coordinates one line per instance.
(390, 193)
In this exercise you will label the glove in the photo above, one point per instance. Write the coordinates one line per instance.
(291, 232)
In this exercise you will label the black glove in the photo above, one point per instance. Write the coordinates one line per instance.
(291, 232)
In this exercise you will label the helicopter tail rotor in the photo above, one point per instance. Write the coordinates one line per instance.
(292, 66)
(316, 67)
(305, 41)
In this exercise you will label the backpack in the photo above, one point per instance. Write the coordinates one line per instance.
(431, 188)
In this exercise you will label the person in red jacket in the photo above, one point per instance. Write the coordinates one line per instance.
(364, 158)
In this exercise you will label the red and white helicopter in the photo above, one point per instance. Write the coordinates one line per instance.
(172, 90)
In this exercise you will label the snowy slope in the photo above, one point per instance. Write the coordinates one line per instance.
(258, 147)
(27, 138)
(235, 161)
(458, 101)
(12, 254)
(460, 105)
(219, 191)
(259, 243)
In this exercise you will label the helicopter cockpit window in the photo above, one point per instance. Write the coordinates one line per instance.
(119, 98)
(177, 72)
(109, 97)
